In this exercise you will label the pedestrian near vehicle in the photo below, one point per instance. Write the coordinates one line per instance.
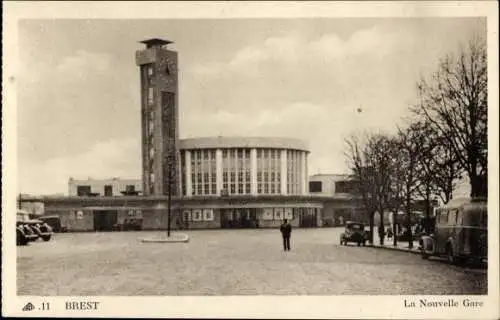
(389, 232)
(286, 233)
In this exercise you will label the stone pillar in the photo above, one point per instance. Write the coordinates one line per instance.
(188, 182)
(283, 171)
(218, 170)
(319, 217)
(253, 171)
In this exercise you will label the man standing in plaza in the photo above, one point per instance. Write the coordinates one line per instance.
(286, 232)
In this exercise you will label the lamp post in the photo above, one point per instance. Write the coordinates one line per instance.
(170, 159)
(169, 201)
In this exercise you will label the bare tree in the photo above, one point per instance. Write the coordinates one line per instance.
(448, 170)
(380, 147)
(396, 195)
(410, 142)
(357, 161)
(370, 163)
(454, 102)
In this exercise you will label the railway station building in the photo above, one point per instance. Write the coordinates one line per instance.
(211, 182)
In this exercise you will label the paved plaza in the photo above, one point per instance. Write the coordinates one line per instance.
(231, 262)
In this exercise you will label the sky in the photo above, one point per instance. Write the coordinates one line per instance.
(78, 108)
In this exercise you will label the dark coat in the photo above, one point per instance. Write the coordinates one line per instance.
(286, 230)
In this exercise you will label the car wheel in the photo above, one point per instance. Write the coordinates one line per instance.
(364, 243)
(460, 261)
(425, 256)
(21, 240)
(46, 238)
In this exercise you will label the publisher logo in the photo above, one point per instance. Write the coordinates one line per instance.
(28, 307)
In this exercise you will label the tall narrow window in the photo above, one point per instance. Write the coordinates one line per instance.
(151, 126)
(151, 96)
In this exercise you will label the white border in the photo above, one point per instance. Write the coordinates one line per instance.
(237, 307)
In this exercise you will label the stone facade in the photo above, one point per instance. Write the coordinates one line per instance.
(101, 213)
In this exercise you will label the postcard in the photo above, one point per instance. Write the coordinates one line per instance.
(250, 160)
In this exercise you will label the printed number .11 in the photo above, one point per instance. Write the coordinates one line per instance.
(45, 306)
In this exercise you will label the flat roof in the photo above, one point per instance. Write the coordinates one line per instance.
(155, 41)
(132, 200)
(243, 142)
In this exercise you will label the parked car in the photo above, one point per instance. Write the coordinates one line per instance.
(132, 224)
(24, 234)
(129, 224)
(28, 229)
(354, 232)
(54, 222)
(42, 229)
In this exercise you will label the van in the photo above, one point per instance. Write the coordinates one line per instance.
(460, 232)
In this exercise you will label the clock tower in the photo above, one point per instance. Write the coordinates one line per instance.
(159, 118)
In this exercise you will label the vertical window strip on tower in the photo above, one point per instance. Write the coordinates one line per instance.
(151, 96)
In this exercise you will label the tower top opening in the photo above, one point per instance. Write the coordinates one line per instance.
(156, 42)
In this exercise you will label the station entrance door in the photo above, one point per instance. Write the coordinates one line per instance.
(104, 220)
(239, 218)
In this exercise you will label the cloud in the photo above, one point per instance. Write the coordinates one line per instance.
(73, 103)
(321, 126)
(294, 49)
(67, 68)
(307, 88)
(248, 56)
(83, 60)
(113, 158)
(326, 70)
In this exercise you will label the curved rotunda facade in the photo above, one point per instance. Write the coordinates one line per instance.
(226, 166)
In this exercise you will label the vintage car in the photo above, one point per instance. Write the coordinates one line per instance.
(54, 222)
(42, 229)
(460, 234)
(129, 224)
(24, 234)
(354, 232)
(28, 229)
